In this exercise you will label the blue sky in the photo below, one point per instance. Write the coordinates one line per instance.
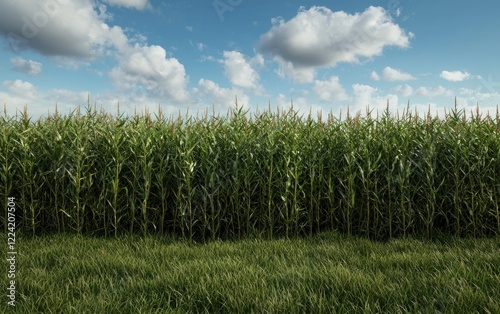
(325, 55)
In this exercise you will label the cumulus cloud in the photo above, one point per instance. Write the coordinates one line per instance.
(454, 76)
(59, 28)
(29, 67)
(76, 32)
(390, 74)
(330, 90)
(258, 61)
(21, 88)
(240, 71)
(375, 76)
(149, 67)
(224, 97)
(368, 96)
(319, 37)
(286, 69)
(133, 4)
(405, 90)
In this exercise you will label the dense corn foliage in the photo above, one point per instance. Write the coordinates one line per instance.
(277, 174)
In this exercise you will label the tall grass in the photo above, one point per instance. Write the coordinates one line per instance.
(325, 273)
(278, 174)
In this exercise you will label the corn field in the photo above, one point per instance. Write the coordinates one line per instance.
(279, 174)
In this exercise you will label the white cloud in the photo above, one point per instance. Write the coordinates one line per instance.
(29, 67)
(67, 96)
(405, 90)
(300, 105)
(368, 96)
(375, 76)
(433, 92)
(221, 97)
(17, 94)
(207, 58)
(296, 74)
(14, 104)
(376, 100)
(76, 31)
(148, 66)
(490, 97)
(454, 76)
(319, 37)
(390, 74)
(38, 103)
(21, 88)
(59, 28)
(477, 96)
(133, 4)
(189, 28)
(330, 90)
(467, 91)
(240, 72)
(201, 46)
(257, 61)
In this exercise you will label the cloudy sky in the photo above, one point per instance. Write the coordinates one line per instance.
(323, 55)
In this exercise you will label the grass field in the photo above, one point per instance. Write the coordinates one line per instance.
(326, 273)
